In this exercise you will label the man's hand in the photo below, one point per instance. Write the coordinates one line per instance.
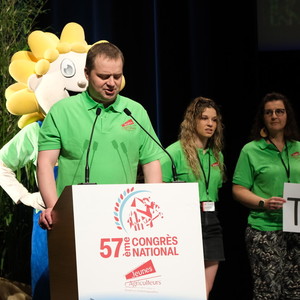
(45, 220)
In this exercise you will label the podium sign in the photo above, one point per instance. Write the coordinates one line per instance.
(291, 209)
(139, 241)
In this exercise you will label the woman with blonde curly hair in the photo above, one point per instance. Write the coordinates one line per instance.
(198, 158)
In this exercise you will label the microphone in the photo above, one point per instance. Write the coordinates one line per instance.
(87, 168)
(175, 177)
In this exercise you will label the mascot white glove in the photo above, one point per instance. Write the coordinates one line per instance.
(17, 191)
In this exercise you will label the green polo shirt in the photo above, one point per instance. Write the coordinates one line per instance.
(22, 148)
(118, 143)
(260, 169)
(185, 173)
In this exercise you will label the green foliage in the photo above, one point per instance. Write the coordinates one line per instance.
(18, 19)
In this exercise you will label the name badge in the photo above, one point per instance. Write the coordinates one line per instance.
(208, 206)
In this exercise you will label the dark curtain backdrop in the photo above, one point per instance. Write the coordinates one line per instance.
(177, 50)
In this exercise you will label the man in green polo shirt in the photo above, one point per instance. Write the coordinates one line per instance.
(118, 144)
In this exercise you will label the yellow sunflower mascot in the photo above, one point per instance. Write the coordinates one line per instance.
(49, 72)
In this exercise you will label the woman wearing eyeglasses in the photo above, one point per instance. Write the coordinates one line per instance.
(264, 165)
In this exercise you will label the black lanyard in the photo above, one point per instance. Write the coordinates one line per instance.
(206, 179)
(286, 167)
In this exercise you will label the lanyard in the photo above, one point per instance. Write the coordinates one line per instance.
(206, 179)
(286, 167)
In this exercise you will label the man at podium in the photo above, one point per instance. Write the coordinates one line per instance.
(92, 138)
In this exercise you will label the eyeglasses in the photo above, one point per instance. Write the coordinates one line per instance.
(278, 111)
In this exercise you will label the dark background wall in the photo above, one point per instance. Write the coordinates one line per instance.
(231, 51)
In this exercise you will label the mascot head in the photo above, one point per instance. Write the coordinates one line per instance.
(47, 73)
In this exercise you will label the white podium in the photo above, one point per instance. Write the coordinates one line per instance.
(127, 241)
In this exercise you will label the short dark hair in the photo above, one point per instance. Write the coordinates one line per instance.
(106, 49)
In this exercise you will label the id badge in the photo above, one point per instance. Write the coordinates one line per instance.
(208, 206)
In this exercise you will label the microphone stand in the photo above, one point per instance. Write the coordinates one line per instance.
(175, 177)
(87, 168)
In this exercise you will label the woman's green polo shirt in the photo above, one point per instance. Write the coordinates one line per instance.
(260, 169)
(118, 143)
(184, 172)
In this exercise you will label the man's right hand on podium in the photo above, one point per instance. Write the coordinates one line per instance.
(45, 220)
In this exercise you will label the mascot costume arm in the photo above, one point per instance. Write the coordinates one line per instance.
(17, 192)
(16, 154)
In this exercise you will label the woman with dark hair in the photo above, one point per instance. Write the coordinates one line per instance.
(264, 165)
(259, 129)
(198, 158)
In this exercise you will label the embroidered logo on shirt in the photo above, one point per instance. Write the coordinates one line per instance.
(129, 125)
(295, 154)
(129, 122)
(216, 164)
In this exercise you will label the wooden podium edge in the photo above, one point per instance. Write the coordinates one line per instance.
(62, 249)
